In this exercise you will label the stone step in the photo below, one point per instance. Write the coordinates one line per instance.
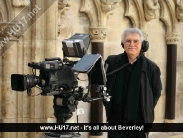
(166, 135)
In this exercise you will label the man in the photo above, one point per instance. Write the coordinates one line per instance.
(134, 83)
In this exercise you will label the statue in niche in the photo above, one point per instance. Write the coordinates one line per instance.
(108, 5)
(63, 3)
(179, 9)
(150, 6)
(20, 3)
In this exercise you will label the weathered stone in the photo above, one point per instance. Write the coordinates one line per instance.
(65, 18)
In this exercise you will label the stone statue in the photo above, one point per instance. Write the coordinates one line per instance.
(179, 9)
(108, 5)
(150, 6)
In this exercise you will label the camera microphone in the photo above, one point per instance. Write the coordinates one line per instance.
(34, 65)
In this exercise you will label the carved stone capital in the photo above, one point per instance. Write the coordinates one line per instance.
(179, 10)
(172, 37)
(98, 34)
(150, 6)
(20, 3)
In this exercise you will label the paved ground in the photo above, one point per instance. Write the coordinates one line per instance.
(166, 135)
(153, 135)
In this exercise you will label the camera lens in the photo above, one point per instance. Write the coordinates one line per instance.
(20, 82)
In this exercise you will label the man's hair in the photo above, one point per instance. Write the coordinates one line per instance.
(132, 31)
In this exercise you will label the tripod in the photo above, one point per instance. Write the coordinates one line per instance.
(63, 107)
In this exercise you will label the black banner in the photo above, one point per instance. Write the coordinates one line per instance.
(89, 127)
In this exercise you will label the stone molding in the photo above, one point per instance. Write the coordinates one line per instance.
(62, 6)
(1, 16)
(103, 9)
(20, 3)
(170, 20)
(98, 34)
(98, 18)
(134, 11)
(6, 11)
(88, 8)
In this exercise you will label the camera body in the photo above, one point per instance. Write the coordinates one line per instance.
(54, 74)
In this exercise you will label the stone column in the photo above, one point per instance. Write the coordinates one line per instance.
(9, 64)
(98, 32)
(171, 39)
(98, 35)
(9, 97)
(96, 106)
(36, 105)
(50, 48)
(171, 20)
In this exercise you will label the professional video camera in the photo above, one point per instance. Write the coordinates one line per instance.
(59, 78)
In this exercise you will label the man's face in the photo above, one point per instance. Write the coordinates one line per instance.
(132, 44)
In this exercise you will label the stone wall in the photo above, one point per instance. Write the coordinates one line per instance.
(105, 21)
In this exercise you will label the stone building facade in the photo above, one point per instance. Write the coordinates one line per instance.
(32, 30)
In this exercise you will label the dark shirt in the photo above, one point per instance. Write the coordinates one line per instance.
(117, 113)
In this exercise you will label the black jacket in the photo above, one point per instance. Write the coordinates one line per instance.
(150, 86)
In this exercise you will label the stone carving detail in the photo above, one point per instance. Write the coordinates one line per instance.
(62, 6)
(98, 33)
(172, 37)
(64, 3)
(87, 6)
(10, 31)
(98, 18)
(20, 3)
(150, 6)
(108, 5)
(135, 12)
(179, 9)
